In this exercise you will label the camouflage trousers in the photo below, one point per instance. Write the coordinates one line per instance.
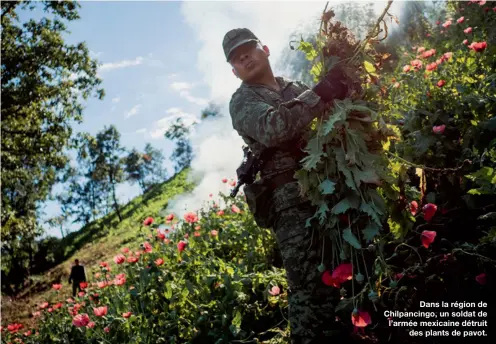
(311, 302)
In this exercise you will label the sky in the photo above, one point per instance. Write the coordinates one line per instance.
(160, 60)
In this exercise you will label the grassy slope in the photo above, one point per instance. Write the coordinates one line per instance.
(96, 242)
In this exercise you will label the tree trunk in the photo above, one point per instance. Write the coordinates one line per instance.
(116, 205)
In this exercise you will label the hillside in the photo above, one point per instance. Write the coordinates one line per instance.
(96, 242)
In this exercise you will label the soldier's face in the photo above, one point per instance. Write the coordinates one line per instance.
(250, 61)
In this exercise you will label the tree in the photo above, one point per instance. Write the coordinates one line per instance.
(134, 168)
(183, 153)
(106, 153)
(44, 82)
(154, 165)
(212, 110)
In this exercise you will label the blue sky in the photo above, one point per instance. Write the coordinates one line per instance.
(161, 60)
(148, 74)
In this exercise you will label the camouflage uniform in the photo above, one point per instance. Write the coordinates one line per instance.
(264, 119)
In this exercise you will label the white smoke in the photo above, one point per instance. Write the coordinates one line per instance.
(217, 147)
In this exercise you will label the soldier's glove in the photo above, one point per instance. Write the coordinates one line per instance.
(333, 86)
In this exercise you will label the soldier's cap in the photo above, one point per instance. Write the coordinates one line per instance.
(236, 38)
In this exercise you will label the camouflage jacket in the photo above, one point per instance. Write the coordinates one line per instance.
(265, 119)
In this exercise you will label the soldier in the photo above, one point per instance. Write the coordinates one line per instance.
(271, 114)
(77, 276)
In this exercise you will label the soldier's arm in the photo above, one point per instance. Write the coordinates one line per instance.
(270, 125)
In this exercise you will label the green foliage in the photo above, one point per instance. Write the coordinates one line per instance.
(183, 153)
(217, 288)
(44, 81)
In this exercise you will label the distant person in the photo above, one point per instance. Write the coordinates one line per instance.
(77, 276)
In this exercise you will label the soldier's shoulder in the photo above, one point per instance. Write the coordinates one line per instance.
(239, 96)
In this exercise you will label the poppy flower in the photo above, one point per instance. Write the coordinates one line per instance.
(232, 183)
(119, 259)
(360, 319)
(429, 210)
(468, 30)
(447, 24)
(132, 259)
(343, 272)
(84, 285)
(181, 246)
(406, 68)
(275, 291)
(431, 66)
(159, 261)
(197, 228)
(213, 232)
(81, 320)
(438, 129)
(125, 250)
(396, 85)
(169, 217)
(57, 286)
(91, 324)
(413, 207)
(44, 305)
(417, 64)
(147, 246)
(148, 221)
(126, 315)
(224, 180)
(420, 50)
(441, 83)
(197, 234)
(478, 46)
(190, 217)
(481, 279)
(100, 311)
(118, 281)
(328, 280)
(106, 329)
(429, 53)
(220, 212)
(235, 209)
(465, 41)
(460, 20)
(427, 238)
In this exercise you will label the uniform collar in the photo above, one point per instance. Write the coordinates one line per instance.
(283, 83)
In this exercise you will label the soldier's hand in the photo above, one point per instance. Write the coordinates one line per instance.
(333, 86)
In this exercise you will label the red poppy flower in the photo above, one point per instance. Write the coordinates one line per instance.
(132, 259)
(224, 180)
(360, 319)
(83, 285)
(465, 41)
(427, 238)
(57, 286)
(119, 259)
(441, 83)
(181, 246)
(460, 20)
(478, 46)
(147, 246)
(148, 221)
(431, 66)
(429, 53)
(429, 210)
(220, 212)
(100, 311)
(213, 232)
(468, 30)
(169, 217)
(159, 261)
(438, 129)
(406, 68)
(328, 280)
(413, 207)
(81, 320)
(127, 314)
(125, 250)
(447, 24)
(190, 217)
(235, 209)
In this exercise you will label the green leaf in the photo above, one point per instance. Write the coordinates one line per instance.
(369, 67)
(350, 238)
(370, 231)
(343, 168)
(350, 202)
(315, 154)
(327, 187)
(371, 211)
(322, 212)
(378, 201)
